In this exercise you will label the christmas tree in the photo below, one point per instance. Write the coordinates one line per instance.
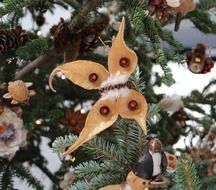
(99, 41)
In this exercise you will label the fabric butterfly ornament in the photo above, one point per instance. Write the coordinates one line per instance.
(116, 96)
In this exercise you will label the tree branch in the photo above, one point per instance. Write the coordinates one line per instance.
(83, 13)
(46, 57)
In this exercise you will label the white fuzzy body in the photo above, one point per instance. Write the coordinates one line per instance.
(128, 187)
(157, 157)
(113, 80)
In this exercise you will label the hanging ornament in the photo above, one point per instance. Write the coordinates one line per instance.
(147, 172)
(19, 92)
(74, 119)
(152, 164)
(12, 39)
(12, 134)
(165, 10)
(197, 60)
(40, 20)
(117, 97)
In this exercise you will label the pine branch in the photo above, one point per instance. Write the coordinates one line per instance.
(32, 49)
(153, 113)
(88, 170)
(23, 174)
(142, 21)
(14, 5)
(73, 3)
(201, 19)
(205, 5)
(6, 179)
(80, 15)
(130, 140)
(97, 182)
(185, 176)
(61, 143)
(137, 81)
(105, 150)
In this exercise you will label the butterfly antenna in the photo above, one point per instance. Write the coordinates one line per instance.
(51, 78)
(103, 42)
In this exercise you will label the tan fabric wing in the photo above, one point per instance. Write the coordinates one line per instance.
(82, 73)
(138, 113)
(120, 54)
(96, 122)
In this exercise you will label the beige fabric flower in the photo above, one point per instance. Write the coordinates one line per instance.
(12, 134)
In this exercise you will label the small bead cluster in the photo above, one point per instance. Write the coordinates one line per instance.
(116, 86)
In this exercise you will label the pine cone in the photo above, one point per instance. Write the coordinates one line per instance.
(12, 39)
(90, 34)
(61, 34)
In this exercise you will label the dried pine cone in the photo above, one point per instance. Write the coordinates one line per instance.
(87, 37)
(61, 34)
(160, 9)
(90, 34)
(12, 39)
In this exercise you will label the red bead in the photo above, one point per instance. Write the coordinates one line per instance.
(133, 105)
(104, 110)
(124, 62)
(93, 77)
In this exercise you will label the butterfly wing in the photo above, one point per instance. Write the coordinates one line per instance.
(133, 105)
(87, 74)
(121, 59)
(102, 116)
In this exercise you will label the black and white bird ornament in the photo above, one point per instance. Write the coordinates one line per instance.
(153, 163)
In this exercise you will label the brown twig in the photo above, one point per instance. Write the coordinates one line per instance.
(46, 57)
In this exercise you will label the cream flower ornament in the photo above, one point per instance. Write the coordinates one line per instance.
(12, 134)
